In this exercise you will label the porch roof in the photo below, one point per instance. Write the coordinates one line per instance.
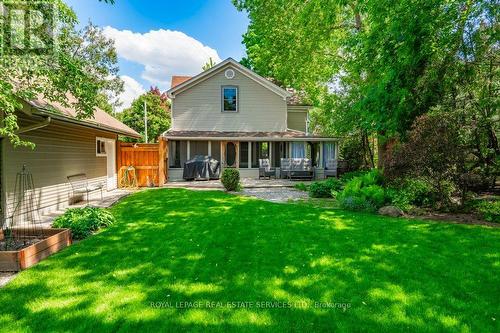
(288, 135)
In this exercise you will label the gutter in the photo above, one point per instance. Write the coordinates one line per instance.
(241, 138)
(33, 127)
(45, 112)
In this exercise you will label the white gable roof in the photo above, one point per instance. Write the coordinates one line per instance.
(219, 67)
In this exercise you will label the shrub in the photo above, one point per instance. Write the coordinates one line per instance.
(325, 189)
(84, 221)
(231, 179)
(490, 210)
(364, 192)
(301, 187)
(357, 203)
(413, 192)
(350, 175)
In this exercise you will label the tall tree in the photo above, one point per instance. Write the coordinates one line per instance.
(158, 114)
(372, 65)
(81, 63)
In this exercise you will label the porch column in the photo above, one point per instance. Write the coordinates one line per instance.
(321, 154)
(270, 145)
(188, 144)
(209, 148)
(249, 155)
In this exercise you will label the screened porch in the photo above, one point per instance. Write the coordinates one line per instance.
(245, 155)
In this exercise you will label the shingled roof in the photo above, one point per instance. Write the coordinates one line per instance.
(288, 135)
(100, 120)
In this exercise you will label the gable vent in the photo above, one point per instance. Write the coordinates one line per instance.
(229, 74)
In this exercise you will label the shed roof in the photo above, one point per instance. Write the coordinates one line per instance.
(101, 119)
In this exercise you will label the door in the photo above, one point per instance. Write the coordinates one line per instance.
(111, 179)
(230, 154)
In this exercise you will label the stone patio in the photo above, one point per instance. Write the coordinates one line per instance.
(248, 183)
(273, 190)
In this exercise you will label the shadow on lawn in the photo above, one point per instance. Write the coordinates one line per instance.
(177, 247)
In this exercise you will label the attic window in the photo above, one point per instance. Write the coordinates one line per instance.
(230, 99)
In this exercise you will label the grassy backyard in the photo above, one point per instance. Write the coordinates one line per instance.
(317, 269)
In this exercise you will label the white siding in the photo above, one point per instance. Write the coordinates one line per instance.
(199, 107)
(61, 150)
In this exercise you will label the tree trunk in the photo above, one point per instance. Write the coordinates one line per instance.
(382, 149)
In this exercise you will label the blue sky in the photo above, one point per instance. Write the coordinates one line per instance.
(156, 39)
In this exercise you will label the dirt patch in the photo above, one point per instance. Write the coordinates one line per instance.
(456, 218)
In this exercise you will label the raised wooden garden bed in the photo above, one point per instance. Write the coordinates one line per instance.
(54, 240)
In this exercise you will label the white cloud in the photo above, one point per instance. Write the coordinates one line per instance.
(133, 89)
(163, 53)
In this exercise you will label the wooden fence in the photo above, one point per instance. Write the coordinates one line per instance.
(148, 159)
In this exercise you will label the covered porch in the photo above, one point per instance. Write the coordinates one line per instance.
(243, 150)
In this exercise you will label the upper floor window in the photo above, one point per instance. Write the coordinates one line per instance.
(229, 99)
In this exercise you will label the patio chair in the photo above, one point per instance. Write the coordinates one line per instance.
(80, 185)
(285, 168)
(331, 168)
(265, 170)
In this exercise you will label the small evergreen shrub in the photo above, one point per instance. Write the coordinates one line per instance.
(84, 221)
(231, 179)
(364, 192)
(490, 210)
(325, 189)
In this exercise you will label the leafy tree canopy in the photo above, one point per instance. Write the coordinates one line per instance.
(158, 113)
(372, 64)
(80, 62)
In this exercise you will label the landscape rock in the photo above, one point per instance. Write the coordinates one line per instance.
(390, 211)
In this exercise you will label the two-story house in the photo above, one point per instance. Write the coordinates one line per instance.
(238, 117)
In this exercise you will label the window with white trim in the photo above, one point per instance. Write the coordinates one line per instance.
(100, 147)
(229, 99)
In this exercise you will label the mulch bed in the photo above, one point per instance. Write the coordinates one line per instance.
(16, 244)
(456, 218)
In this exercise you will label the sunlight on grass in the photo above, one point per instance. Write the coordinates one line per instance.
(324, 261)
(188, 288)
(177, 247)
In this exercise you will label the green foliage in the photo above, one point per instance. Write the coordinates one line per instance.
(490, 210)
(301, 187)
(84, 221)
(375, 66)
(352, 174)
(325, 189)
(209, 64)
(364, 192)
(158, 111)
(358, 151)
(83, 64)
(231, 179)
(413, 192)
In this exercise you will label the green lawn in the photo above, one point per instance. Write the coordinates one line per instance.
(173, 248)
